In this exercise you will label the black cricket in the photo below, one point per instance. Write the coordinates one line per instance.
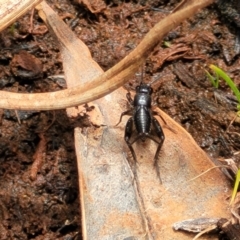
(142, 122)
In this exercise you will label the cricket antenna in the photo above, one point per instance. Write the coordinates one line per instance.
(141, 82)
(153, 81)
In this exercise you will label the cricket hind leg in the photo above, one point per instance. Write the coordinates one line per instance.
(127, 137)
(159, 133)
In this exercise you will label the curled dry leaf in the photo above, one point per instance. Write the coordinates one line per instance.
(169, 54)
(195, 225)
(95, 6)
(26, 66)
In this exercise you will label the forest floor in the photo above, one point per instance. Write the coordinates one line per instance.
(44, 204)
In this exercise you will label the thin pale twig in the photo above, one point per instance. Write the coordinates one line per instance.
(107, 82)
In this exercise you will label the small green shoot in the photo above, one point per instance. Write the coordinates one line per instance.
(219, 73)
(12, 28)
(235, 187)
(167, 44)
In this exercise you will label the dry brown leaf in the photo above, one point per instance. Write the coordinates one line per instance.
(112, 204)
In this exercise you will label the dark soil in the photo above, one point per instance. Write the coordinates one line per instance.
(42, 202)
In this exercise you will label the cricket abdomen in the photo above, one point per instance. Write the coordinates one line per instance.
(142, 120)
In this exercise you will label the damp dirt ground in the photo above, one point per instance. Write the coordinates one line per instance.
(42, 201)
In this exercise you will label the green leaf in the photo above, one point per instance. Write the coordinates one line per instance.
(227, 79)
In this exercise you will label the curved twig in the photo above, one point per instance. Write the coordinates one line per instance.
(108, 81)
